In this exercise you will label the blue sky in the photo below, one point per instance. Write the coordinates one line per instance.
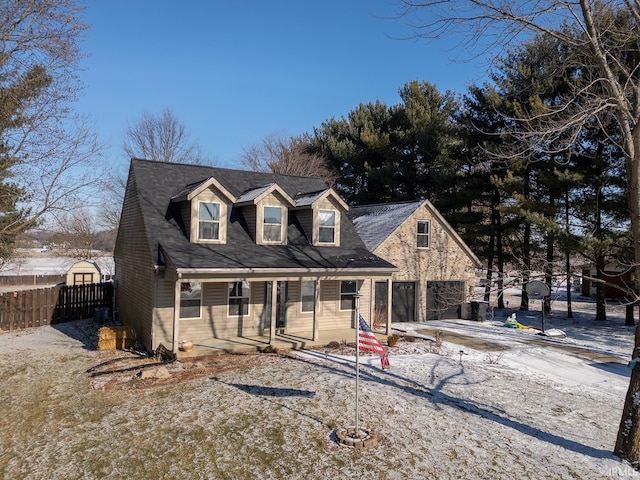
(236, 71)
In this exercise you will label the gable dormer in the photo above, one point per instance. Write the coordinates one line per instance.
(266, 210)
(319, 214)
(204, 206)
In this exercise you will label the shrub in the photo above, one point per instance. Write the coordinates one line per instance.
(438, 336)
(409, 338)
(379, 316)
(493, 358)
(333, 345)
(392, 339)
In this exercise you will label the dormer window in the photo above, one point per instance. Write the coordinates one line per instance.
(272, 225)
(203, 206)
(327, 226)
(208, 221)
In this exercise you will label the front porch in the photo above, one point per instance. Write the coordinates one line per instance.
(283, 341)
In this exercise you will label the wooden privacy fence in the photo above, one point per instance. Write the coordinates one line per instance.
(48, 306)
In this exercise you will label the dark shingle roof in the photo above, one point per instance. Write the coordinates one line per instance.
(158, 182)
(374, 223)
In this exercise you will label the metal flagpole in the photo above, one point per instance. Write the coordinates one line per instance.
(357, 305)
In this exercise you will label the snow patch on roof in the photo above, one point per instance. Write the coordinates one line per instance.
(254, 193)
(374, 223)
(308, 199)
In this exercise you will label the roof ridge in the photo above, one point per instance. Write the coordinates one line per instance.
(214, 167)
(387, 203)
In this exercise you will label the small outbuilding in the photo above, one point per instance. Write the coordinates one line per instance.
(83, 272)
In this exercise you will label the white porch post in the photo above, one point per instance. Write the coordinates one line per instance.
(316, 306)
(389, 305)
(272, 315)
(372, 300)
(176, 316)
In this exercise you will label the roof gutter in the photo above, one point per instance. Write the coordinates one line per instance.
(283, 271)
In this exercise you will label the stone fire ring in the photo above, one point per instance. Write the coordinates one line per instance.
(359, 440)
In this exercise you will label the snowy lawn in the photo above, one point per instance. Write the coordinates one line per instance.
(519, 406)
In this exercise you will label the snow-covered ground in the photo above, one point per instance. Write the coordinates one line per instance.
(33, 262)
(489, 402)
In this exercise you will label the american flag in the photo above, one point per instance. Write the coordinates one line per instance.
(367, 342)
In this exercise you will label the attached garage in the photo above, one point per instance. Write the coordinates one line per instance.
(444, 299)
(436, 269)
(403, 302)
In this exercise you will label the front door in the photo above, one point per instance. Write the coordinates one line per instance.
(281, 309)
(382, 300)
(282, 294)
(403, 302)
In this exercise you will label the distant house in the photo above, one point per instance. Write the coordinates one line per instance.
(436, 268)
(206, 253)
(616, 279)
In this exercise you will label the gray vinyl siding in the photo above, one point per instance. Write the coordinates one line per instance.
(185, 213)
(163, 313)
(305, 217)
(249, 214)
(134, 269)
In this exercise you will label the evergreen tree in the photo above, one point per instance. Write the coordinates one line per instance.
(358, 150)
(386, 154)
(16, 93)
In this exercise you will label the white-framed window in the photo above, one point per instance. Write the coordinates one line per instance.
(424, 227)
(307, 296)
(327, 226)
(348, 290)
(190, 299)
(82, 278)
(238, 298)
(272, 224)
(208, 221)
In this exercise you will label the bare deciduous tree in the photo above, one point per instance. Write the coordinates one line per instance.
(606, 36)
(161, 137)
(286, 156)
(46, 147)
(77, 233)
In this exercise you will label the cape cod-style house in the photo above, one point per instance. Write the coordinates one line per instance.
(207, 253)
